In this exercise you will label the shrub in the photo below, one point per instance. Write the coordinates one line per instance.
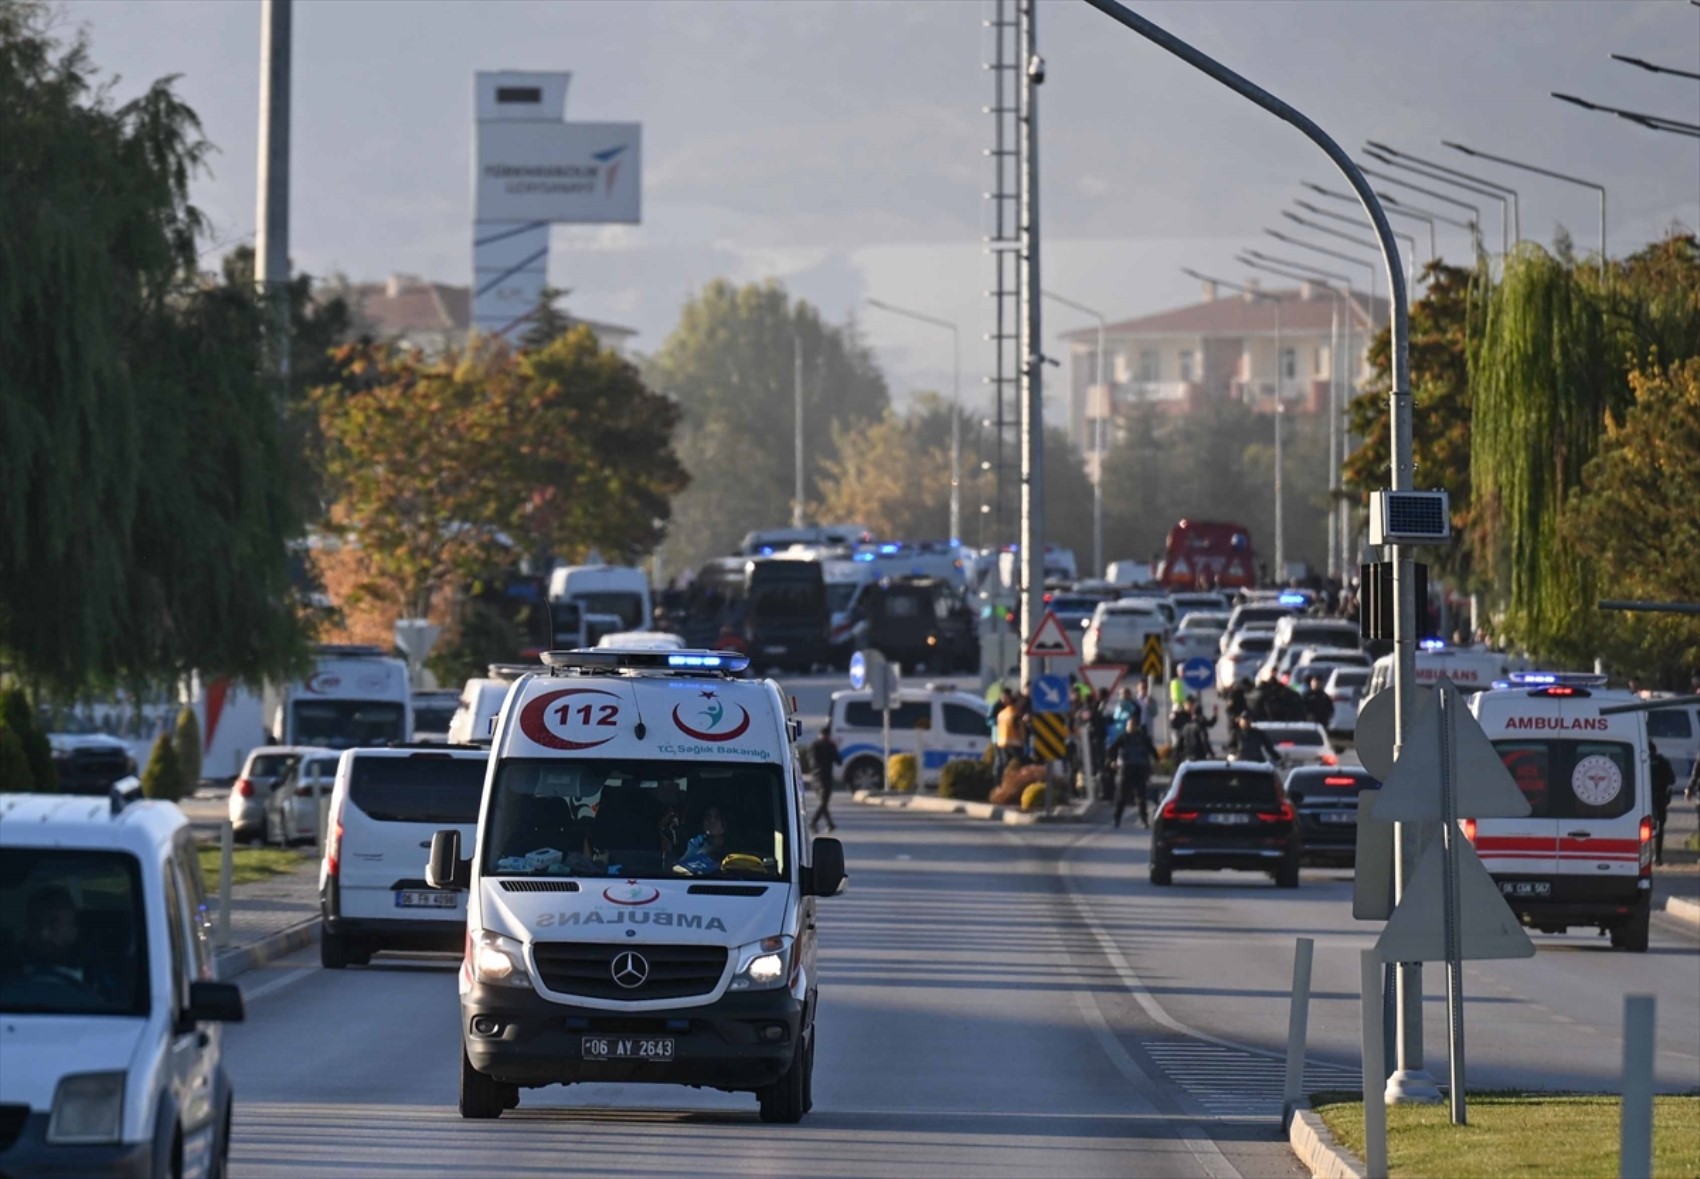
(968, 780)
(17, 715)
(15, 774)
(164, 776)
(186, 736)
(1015, 780)
(1033, 797)
(900, 774)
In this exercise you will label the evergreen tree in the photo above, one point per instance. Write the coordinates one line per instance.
(186, 736)
(19, 720)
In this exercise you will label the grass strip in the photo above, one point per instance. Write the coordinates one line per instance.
(250, 864)
(1574, 1135)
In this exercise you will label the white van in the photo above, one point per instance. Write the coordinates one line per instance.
(620, 590)
(384, 808)
(1472, 669)
(480, 702)
(1676, 732)
(937, 723)
(641, 892)
(232, 721)
(1584, 855)
(111, 1054)
(355, 695)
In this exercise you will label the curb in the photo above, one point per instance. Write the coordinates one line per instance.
(928, 804)
(1317, 1150)
(241, 959)
(1683, 910)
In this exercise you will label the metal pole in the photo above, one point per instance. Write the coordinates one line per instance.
(1298, 1019)
(271, 217)
(1454, 947)
(1032, 395)
(797, 440)
(226, 868)
(1097, 434)
(1635, 1150)
(1335, 565)
(955, 436)
(1577, 180)
(1280, 413)
(1375, 1066)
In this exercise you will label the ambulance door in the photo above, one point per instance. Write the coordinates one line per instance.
(1522, 854)
(1595, 804)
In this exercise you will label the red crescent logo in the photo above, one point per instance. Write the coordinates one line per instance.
(736, 730)
(634, 894)
(534, 723)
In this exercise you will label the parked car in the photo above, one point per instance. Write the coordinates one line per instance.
(1326, 798)
(89, 763)
(1226, 815)
(292, 810)
(253, 787)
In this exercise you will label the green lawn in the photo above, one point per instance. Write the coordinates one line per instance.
(250, 864)
(1519, 1134)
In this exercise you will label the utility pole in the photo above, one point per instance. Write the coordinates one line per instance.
(271, 217)
(797, 438)
(1099, 381)
(1280, 413)
(1032, 360)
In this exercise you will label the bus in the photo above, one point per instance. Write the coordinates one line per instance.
(1207, 554)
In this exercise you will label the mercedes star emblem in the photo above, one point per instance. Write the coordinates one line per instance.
(629, 969)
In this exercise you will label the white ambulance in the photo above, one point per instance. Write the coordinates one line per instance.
(1472, 669)
(1584, 855)
(356, 695)
(642, 889)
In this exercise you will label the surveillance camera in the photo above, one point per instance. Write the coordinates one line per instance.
(1036, 69)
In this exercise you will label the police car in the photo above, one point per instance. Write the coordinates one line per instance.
(110, 1046)
(1583, 856)
(641, 891)
(937, 723)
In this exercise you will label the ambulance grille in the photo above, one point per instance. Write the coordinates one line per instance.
(674, 972)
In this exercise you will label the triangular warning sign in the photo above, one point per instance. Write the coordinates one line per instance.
(1050, 639)
(1482, 785)
(1103, 677)
(1486, 926)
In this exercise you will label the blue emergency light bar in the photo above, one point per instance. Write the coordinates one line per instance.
(617, 659)
(1538, 679)
(1293, 599)
(1433, 644)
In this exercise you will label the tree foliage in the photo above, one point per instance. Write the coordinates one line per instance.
(186, 737)
(893, 475)
(143, 462)
(32, 766)
(1637, 520)
(454, 468)
(162, 777)
(730, 363)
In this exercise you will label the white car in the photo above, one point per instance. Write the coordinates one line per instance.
(1240, 660)
(642, 640)
(1199, 636)
(1189, 602)
(936, 723)
(1117, 631)
(292, 810)
(253, 787)
(1300, 743)
(385, 809)
(1344, 686)
(111, 1053)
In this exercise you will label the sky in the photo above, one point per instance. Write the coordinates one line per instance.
(837, 146)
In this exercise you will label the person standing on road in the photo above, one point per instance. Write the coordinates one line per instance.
(1011, 737)
(1664, 785)
(1177, 690)
(1135, 754)
(1250, 743)
(823, 755)
(1319, 706)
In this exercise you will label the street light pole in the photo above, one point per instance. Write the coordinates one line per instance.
(1577, 180)
(1031, 348)
(1097, 436)
(271, 241)
(1408, 239)
(1516, 211)
(955, 407)
(797, 438)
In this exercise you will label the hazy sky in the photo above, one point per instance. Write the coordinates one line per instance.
(837, 145)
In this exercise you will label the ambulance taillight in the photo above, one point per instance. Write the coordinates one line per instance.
(1469, 826)
(1646, 845)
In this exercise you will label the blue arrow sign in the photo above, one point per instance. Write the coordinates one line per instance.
(1050, 694)
(858, 671)
(1198, 673)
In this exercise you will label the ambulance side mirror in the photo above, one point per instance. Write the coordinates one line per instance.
(445, 869)
(828, 878)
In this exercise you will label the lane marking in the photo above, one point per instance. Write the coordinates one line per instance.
(277, 984)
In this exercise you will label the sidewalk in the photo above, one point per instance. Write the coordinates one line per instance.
(268, 919)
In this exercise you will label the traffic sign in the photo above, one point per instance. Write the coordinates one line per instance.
(1103, 677)
(1050, 736)
(1483, 786)
(858, 671)
(1152, 664)
(1486, 926)
(1050, 694)
(1050, 639)
(1373, 737)
(1198, 673)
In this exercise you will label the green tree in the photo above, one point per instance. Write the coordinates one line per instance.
(548, 322)
(892, 475)
(1635, 516)
(730, 364)
(186, 736)
(19, 719)
(16, 776)
(163, 777)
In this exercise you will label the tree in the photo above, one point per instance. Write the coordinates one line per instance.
(16, 777)
(730, 363)
(1635, 516)
(891, 475)
(186, 737)
(163, 776)
(548, 322)
(18, 719)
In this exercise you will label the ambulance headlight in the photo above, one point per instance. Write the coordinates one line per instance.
(763, 965)
(87, 1107)
(498, 961)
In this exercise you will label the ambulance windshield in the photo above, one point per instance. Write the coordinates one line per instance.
(636, 819)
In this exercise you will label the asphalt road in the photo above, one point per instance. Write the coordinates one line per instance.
(971, 1025)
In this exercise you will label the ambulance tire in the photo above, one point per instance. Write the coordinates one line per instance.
(786, 1100)
(1633, 934)
(481, 1096)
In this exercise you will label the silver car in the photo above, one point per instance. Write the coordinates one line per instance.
(253, 787)
(292, 811)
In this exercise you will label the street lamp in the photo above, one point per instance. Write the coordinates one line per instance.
(1516, 214)
(1280, 408)
(1408, 239)
(1505, 239)
(1577, 180)
(1395, 207)
(1475, 212)
(1651, 122)
(955, 407)
(1097, 436)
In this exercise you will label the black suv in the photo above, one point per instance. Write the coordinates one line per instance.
(1327, 801)
(1226, 814)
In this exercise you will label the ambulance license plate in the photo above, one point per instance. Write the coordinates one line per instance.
(1526, 888)
(656, 1048)
(413, 898)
